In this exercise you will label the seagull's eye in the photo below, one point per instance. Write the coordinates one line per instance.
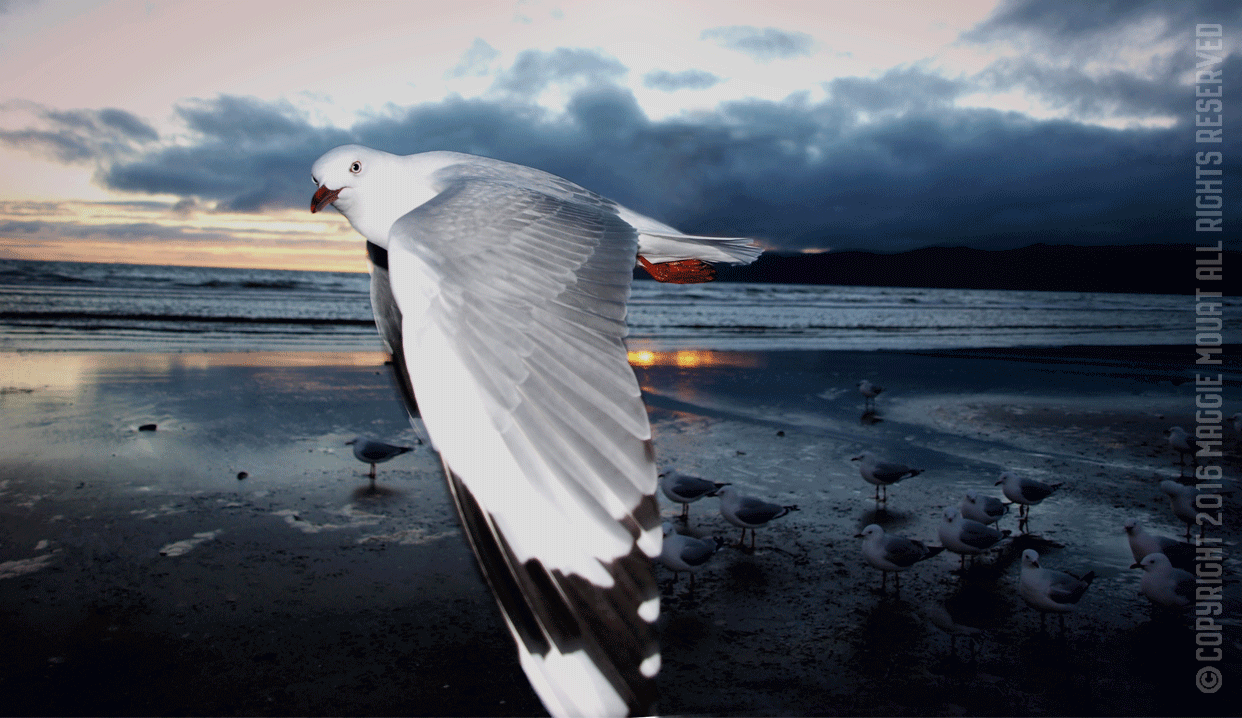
(356, 167)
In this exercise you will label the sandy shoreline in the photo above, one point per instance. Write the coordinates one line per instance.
(137, 568)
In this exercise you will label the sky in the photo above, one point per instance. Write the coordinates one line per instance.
(183, 133)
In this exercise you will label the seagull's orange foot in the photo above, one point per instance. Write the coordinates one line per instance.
(687, 271)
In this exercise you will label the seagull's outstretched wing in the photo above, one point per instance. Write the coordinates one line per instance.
(513, 306)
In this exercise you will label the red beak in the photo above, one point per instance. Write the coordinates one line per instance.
(323, 197)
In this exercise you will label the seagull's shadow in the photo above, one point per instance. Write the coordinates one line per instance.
(885, 518)
(376, 493)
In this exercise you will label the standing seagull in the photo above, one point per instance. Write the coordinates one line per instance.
(372, 452)
(1050, 591)
(1026, 492)
(1180, 553)
(1164, 585)
(870, 392)
(889, 552)
(984, 509)
(1184, 444)
(501, 292)
(882, 473)
(1182, 499)
(965, 537)
(685, 489)
(686, 553)
(747, 512)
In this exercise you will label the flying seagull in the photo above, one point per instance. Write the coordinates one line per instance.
(501, 292)
(370, 451)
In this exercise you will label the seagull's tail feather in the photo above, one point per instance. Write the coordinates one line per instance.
(932, 551)
(729, 250)
(586, 650)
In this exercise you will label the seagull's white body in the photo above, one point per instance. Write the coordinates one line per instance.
(370, 451)
(963, 536)
(1165, 585)
(685, 489)
(1142, 544)
(984, 509)
(1050, 591)
(748, 512)
(891, 553)
(1022, 490)
(1181, 442)
(501, 292)
(1182, 500)
(881, 473)
(685, 553)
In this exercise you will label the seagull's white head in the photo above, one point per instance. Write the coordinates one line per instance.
(367, 186)
(972, 496)
(1153, 561)
(1132, 527)
(871, 532)
(1030, 559)
(951, 514)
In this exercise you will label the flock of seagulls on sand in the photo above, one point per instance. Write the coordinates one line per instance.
(969, 530)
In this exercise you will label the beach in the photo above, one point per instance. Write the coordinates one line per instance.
(236, 560)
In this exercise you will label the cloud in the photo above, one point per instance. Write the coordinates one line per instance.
(684, 80)
(888, 163)
(1069, 21)
(763, 44)
(79, 136)
(475, 62)
(534, 70)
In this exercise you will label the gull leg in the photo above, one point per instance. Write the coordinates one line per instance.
(685, 512)
(373, 471)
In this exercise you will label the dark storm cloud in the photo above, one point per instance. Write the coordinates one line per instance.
(534, 70)
(79, 136)
(684, 80)
(1067, 20)
(763, 44)
(889, 162)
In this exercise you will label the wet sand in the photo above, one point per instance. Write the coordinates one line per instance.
(139, 575)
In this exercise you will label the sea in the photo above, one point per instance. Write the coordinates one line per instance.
(72, 306)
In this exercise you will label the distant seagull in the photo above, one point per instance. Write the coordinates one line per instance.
(1184, 444)
(892, 553)
(1182, 499)
(882, 473)
(1180, 553)
(1050, 591)
(869, 392)
(686, 553)
(685, 489)
(1165, 585)
(747, 512)
(370, 451)
(965, 537)
(1026, 492)
(984, 509)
